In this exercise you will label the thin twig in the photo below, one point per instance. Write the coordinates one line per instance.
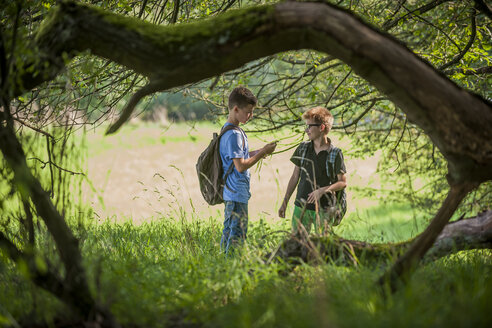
(55, 165)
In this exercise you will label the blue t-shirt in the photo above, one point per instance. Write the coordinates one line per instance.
(234, 144)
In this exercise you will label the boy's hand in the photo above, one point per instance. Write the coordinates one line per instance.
(281, 211)
(270, 147)
(315, 195)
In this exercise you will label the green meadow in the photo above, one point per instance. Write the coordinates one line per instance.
(151, 245)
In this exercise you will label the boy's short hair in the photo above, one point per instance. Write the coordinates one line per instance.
(241, 97)
(320, 115)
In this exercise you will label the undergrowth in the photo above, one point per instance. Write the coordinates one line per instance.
(172, 273)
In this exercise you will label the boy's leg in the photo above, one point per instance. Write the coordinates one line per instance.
(238, 224)
(306, 220)
(228, 207)
(327, 221)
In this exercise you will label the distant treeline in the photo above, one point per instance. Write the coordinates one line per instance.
(179, 107)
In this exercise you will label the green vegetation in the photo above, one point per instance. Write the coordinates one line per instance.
(139, 135)
(170, 271)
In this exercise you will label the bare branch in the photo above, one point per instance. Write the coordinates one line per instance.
(462, 53)
(483, 8)
(336, 88)
(358, 118)
(418, 11)
(33, 128)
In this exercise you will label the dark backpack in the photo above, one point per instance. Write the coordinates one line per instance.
(338, 204)
(210, 171)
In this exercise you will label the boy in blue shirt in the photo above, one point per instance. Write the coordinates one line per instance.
(236, 161)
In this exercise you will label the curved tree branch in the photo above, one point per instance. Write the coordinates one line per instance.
(468, 234)
(191, 52)
(130, 106)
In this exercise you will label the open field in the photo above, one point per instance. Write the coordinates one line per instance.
(146, 171)
(152, 255)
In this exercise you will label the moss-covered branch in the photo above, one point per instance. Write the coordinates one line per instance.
(472, 233)
(457, 121)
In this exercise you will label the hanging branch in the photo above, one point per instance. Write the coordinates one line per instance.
(134, 100)
(338, 86)
(473, 34)
(358, 118)
(420, 10)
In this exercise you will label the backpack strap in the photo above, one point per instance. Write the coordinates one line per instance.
(341, 199)
(233, 127)
(330, 163)
(303, 148)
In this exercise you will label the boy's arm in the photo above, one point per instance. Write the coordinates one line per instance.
(242, 164)
(339, 185)
(291, 186)
(253, 153)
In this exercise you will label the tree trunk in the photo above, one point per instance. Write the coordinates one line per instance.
(457, 121)
(73, 289)
(467, 234)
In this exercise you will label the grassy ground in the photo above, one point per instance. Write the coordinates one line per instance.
(165, 268)
(168, 272)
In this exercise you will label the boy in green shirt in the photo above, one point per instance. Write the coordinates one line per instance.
(319, 170)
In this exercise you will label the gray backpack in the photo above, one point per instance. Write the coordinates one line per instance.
(210, 171)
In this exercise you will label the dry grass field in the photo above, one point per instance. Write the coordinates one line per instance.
(147, 171)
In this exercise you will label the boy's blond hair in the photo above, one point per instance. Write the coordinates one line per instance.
(320, 115)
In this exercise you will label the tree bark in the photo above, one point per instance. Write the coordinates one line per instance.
(73, 289)
(424, 241)
(457, 121)
(467, 234)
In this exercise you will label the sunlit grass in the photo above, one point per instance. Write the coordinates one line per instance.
(383, 223)
(170, 271)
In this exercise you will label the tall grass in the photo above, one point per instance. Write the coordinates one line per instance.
(171, 272)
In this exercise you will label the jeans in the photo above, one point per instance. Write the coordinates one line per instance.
(235, 225)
